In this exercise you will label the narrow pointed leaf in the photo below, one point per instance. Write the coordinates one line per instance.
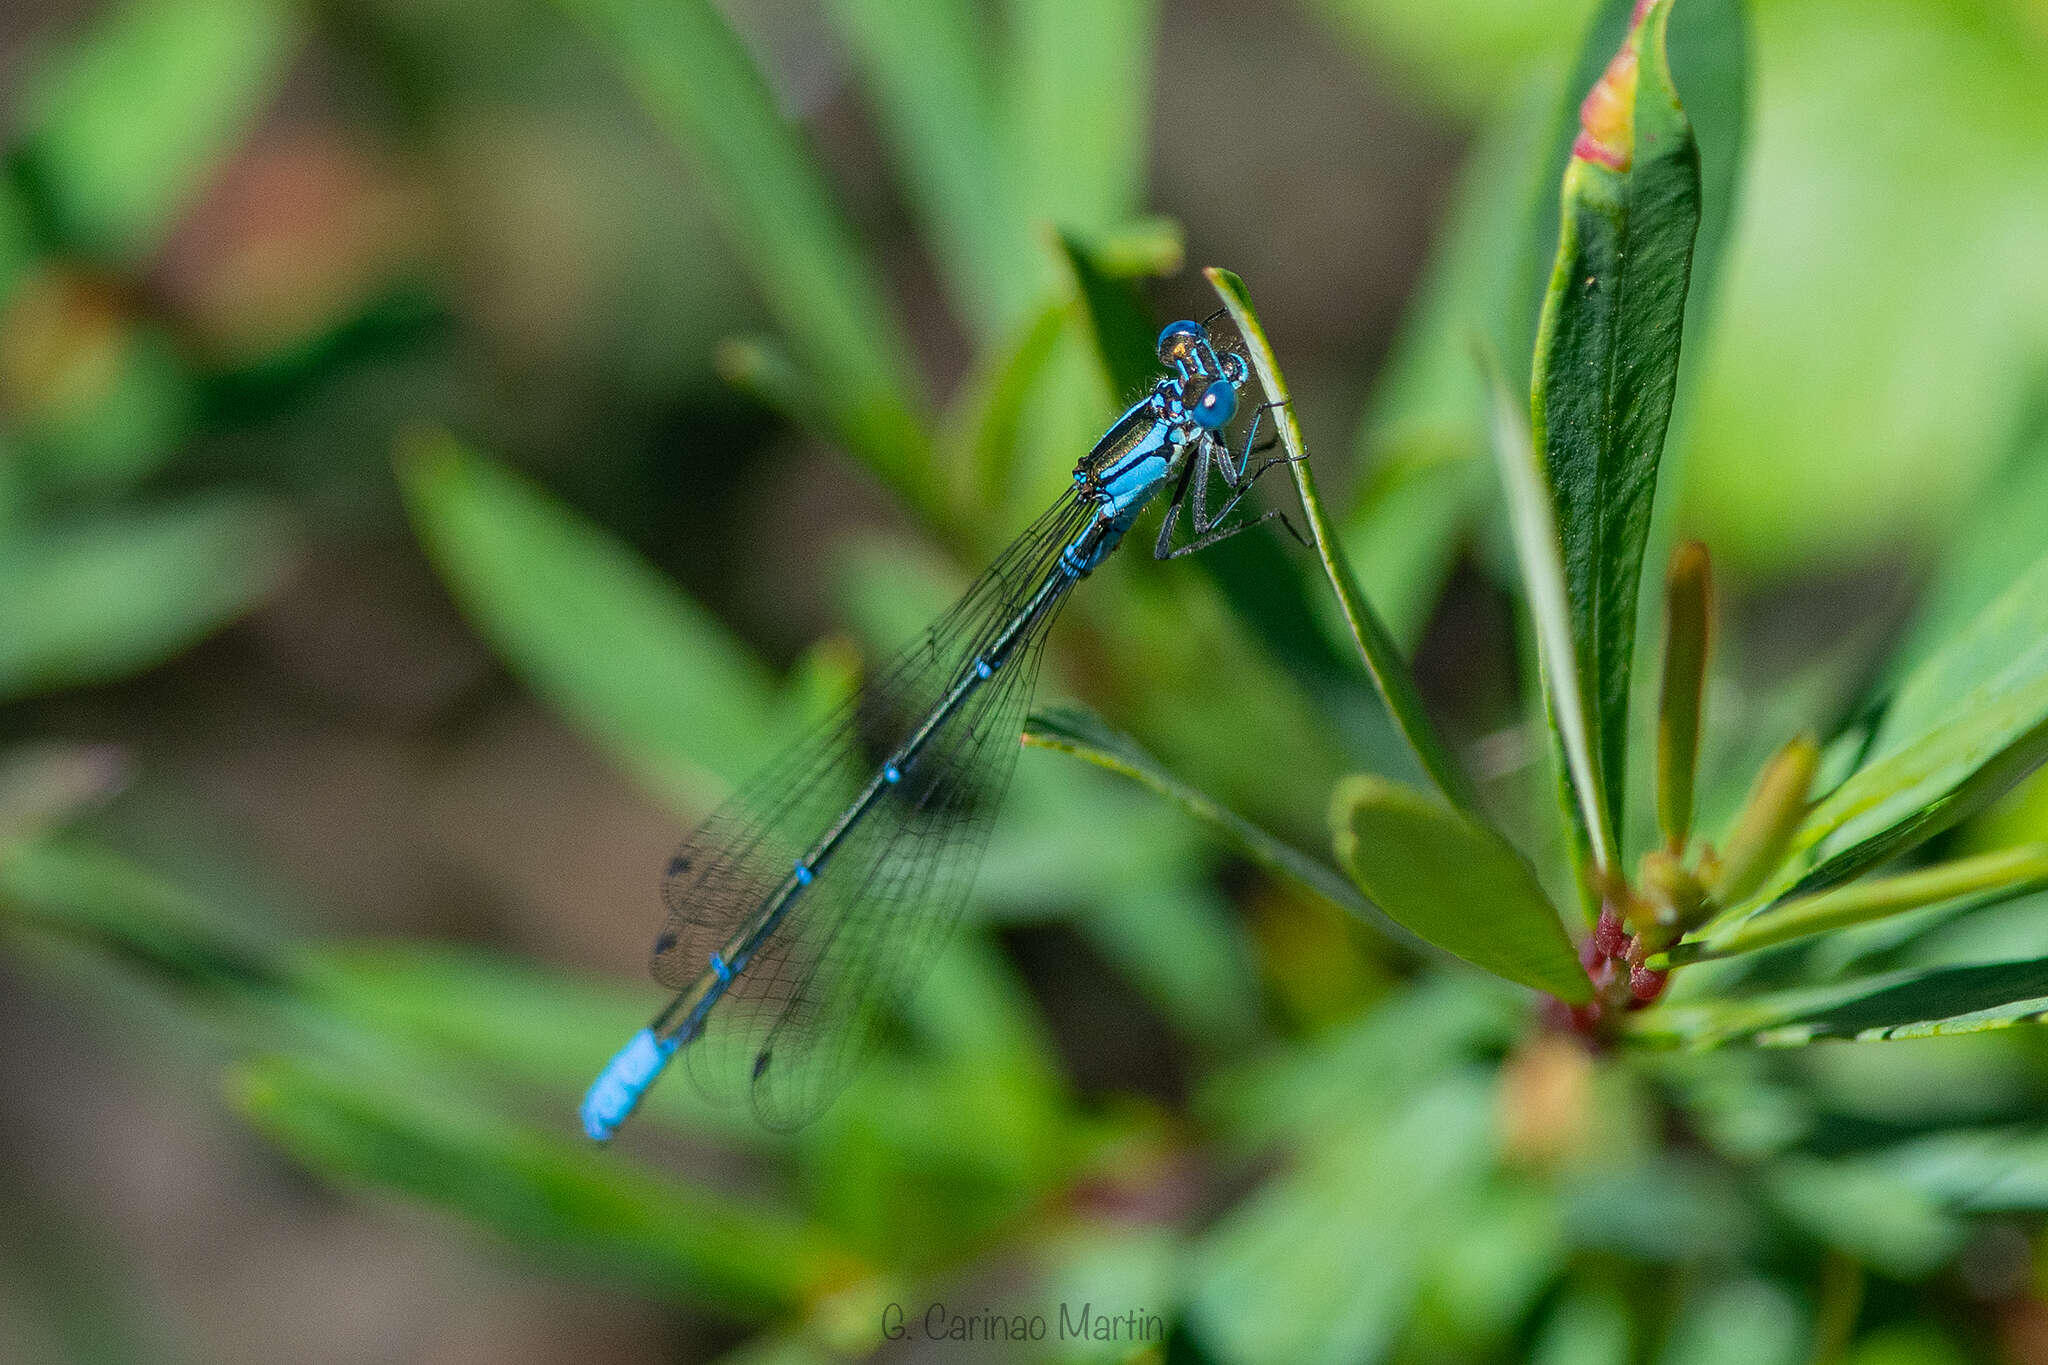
(1921, 791)
(1763, 830)
(1454, 883)
(1687, 608)
(1076, 108)
(1376, 647)
(1607, 360)
(2000, 650)
(2005, 873)
(1532, 517)
(1999, 542)
(76, 889)
(761, 369)
(1963, 728)
(126, 127)
(1072, 730)
(549, 1195)
(1908, 1004)
(1325, 1261)
(980, 438)
(590, 627)
(1119, 323)
(1487, 275)
(702, 89)
(927, 67)
(103, 599)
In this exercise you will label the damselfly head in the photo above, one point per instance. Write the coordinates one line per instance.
(1180, 344)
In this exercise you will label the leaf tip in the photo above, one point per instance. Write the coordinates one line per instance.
(425, 455)
(1607, 114)
(1763, 831)
(1688, 605)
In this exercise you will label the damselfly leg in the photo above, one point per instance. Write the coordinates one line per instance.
(1238, 475)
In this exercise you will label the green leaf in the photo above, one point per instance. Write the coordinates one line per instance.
(1889, 807)
(1963, 728)
(2003, 649)
(1688, 608)
(1076, 109)
(1908, 1004)
(1866, 1212)
(980, 439)
(1607, 362)
(552, 1196)
(484, 1010)
(1071, 730)
(701, 88)
(2003, 874)
(928, 66)
(592, 629)
(125, 128)
(94, 895)
(1458, 54)
(1973, 1171)
(1121, 327)
(1365, 1066)
(1496, 1263)
(1748, 1322)
(1531, 515)
(1999, 543)
(1382, 658)
(101, 600)
(1423, 433)
(1660, 1206)
(1324, 1263)
(1457, 884)
(1762, 833)
(1588, 1326)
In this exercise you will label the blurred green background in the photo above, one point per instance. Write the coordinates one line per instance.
(338, 757)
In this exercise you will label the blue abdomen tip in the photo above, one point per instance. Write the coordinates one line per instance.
(617, 1090)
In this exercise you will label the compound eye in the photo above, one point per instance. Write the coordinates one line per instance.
(1177, 341)
(1216, 406)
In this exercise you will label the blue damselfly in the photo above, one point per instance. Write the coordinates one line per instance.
(814, 900)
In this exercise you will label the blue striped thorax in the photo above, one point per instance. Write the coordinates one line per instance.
(1144, 449)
